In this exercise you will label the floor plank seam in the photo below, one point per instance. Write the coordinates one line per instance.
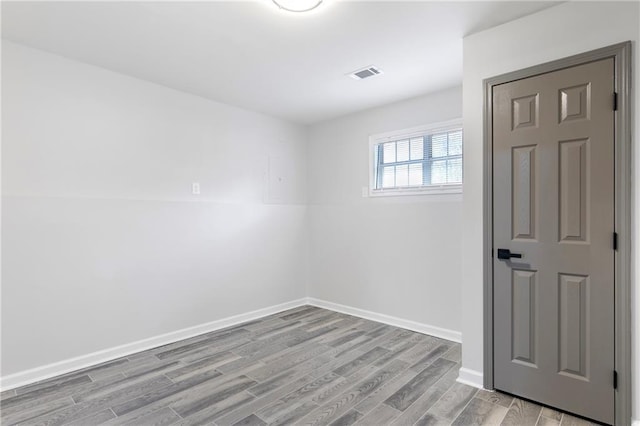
(176, 413)
(463, 408)
(115, 416)
(538, 419)
(165, 375)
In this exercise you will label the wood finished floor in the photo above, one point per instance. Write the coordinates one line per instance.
(303, 366)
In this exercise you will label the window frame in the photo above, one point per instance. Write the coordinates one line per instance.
(377, 139)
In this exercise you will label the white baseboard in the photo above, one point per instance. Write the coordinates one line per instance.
(44, 372)
(62, 367)
(432, 330)
(470, 377)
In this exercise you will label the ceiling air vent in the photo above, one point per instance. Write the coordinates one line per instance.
(363, 73)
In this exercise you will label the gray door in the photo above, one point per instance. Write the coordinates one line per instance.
(553, 192)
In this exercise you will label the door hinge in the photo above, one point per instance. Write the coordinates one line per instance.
(615, 241)
(615, 379)
(615, 101)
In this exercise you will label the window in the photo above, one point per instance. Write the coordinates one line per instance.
(418, 160)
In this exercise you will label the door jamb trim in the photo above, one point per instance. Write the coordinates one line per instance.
(621, 53)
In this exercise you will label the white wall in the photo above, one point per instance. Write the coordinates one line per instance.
(417, 277)
(103, 243)
(554, 33)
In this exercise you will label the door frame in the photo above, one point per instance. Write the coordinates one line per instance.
(621, 53)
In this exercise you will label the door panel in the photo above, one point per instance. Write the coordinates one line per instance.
(523, 289)
(573, 189)
(524, 190)
(573, 325)
(553, 195)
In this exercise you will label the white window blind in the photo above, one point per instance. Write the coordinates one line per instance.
(420, 161)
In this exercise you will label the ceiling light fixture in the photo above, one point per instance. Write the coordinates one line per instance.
(297, 5)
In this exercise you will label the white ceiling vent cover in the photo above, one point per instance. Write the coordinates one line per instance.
(366, 72)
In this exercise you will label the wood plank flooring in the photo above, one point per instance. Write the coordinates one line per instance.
(305, 366)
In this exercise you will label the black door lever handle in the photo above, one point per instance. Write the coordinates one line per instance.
(505, 254)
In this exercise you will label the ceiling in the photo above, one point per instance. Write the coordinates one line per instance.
(249, 54)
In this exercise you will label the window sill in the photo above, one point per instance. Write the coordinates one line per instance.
(427, 190)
